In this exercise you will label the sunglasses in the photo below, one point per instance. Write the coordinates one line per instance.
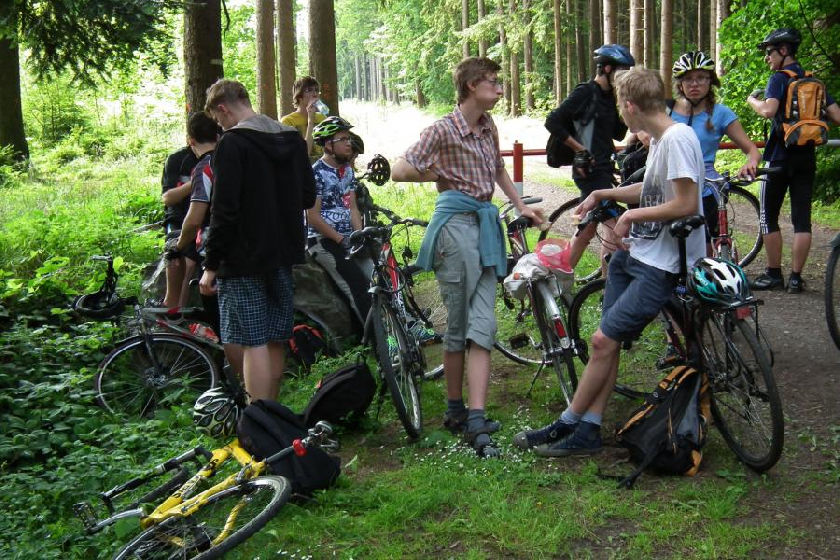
(768, 52)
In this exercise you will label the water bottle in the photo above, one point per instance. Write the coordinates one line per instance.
(322, 108)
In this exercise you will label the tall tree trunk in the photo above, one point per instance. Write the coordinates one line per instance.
(571, 56)
(322, 51)
(527, 52)
(637, 30)
(365, 77)
(421, 98)
(202, 50)
(580, 47)
(11, 117)
(515, 94)
(465, 24)
(286, 54)
(374, 87)
(722, 14)
(665, 40)
(559, 92)
(702, 44)
(383, 86)
(609, 21)
(650, 13)
(357, 66)
(482, 43)
(712, 21)
(686, 25)
(386, 82)
(594, 32)
(266, 86)
(505, 64)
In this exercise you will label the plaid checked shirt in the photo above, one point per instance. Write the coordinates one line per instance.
(463, 160)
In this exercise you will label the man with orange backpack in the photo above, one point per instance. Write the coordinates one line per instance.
(800, 109)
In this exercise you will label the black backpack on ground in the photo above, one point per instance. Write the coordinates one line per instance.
(667, 433)
(267, 427)
(342, 395)
(306, 344)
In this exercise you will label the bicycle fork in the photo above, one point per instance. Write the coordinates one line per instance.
(542, 298)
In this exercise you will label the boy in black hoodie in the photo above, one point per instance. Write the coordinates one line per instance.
(263, 183)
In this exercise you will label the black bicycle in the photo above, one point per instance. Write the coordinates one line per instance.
(832, 291)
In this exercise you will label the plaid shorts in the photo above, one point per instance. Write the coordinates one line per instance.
(258, 309)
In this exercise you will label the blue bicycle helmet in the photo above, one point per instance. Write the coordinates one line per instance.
(617, 53)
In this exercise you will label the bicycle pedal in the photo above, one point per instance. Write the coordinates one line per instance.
(519, 341)
(84, 511)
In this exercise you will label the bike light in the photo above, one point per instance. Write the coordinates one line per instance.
(299, 447)
(743, 312)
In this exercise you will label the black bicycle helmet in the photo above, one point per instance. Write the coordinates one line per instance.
(216, 413)
(99, 305)
(787, 35)
(378, 170)
(328, 128)
(357, 143)
(619, 54)
(718, 282)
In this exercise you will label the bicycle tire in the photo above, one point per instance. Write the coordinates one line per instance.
(192, 536)
(562, 360)
(127, 382)
(563, 225)
(832, 295)
(741, 224)
(424, 301)
(642, 361)
(745, 401)
(391, 354)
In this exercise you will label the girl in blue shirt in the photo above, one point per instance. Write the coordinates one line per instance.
(695, 83)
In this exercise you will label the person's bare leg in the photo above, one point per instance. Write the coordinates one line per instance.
(598, 376)
(256, 366)
(453, 370)
(773, 249)
(277, 363)
(801, 248)
(579, 244)
(174, 281)
(478, 374)
(235, 353)
(189, 271)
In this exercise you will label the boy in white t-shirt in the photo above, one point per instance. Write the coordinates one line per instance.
(643, 274)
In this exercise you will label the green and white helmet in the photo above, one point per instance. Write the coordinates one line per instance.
(718, 282)
(328, 128)
(693, 60)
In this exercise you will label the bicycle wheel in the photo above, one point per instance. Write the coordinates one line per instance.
(424, 302)
(129, 383)
(745, 403)
(742, 213)
(518, 334)
(832, 295)
(392, 353)
(642, 362)
(565, 226)
(562, 360)
(221, 523)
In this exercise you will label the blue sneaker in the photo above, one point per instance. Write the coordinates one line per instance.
(423, 335)
(547, 434)
(586, 440)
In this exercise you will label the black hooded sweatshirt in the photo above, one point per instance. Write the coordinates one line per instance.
(262, 184)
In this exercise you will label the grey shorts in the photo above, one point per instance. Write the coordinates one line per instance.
(634, 295)
(468, 290)
(255, 310)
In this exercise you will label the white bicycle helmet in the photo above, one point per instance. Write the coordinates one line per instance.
(718, 282)
(216, 413)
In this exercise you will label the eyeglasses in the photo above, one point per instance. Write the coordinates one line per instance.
(346, 140)
(312, 89)
(697, 80)
(495, 83)
(768, 52)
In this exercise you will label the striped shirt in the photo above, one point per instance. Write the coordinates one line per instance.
(463, 160)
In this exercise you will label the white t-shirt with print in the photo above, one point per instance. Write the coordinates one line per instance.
(676, 155)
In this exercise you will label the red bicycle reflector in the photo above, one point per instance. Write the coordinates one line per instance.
(300, 449)
(558, 327)
(743, 312)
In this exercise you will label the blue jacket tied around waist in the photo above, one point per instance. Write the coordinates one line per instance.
(491, 242)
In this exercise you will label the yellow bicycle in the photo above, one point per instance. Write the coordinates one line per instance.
(206, 524)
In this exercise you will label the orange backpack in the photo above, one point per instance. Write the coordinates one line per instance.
(803, 121)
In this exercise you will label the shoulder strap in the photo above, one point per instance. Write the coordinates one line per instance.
(790, 73)
(669, 106)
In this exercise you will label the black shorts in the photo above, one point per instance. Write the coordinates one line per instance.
(600, 178)
(798, 178)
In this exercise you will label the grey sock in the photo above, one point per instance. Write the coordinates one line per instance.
(475, 419)
(592, 418)
(455, 406)
(570, 417)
